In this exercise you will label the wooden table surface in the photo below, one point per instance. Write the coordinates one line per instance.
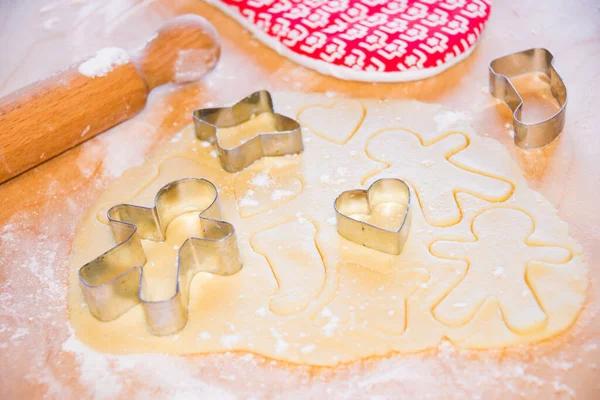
(41, 207)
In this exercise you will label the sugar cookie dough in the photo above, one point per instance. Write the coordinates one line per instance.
(488, 262)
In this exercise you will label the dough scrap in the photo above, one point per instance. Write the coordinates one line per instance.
(307, 295)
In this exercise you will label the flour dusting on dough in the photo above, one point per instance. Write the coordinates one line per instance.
(449, 119)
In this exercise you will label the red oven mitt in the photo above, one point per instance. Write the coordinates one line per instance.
(366, 40)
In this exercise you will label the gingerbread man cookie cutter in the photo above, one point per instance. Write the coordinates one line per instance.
(114, 282)
(537, 134)
(286, 139)
(360, 201)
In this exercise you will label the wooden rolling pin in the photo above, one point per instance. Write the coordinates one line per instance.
(50, 116)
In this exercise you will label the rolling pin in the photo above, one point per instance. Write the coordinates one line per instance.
(50, 116)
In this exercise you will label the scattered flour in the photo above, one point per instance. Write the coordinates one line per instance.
(325, 179)
(177, 137)
(103, 62)
(449, 119)
(281, 346)
(590, 347)
(105, 376)
(247, 200)
(117, 149)
(332, 324)
(275, 333)
(230, 340)
(330, 328)
(281, 194)
(261, 180)
(171, 377)
(340, 172)
(562, 388)
(20, 333)
(308, 349)
(94, 369)
(262, 312)
(326, 313)
(301, 219)
(85, 130)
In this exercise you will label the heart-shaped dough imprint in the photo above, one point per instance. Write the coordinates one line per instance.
(337, 122)
(378, 217)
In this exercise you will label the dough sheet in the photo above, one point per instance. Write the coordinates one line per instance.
(488, 263)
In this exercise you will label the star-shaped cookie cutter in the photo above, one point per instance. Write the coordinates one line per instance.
(537, 134)
(114, 282)
(360, 201)
(286, 139)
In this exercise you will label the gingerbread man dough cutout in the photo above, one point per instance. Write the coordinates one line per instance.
(497, 262)
(428, 168)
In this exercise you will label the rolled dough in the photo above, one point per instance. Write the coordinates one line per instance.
(488, 263)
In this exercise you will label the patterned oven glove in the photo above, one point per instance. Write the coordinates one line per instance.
(366, 40)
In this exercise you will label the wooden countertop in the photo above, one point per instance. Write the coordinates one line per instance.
(41, 207)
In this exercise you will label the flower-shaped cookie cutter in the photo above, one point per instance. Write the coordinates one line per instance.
(529, 135)
(360, 201)
(286, 139)
(114, 282)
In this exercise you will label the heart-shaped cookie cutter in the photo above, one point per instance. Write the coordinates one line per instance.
(361, 201)
(529, 135)
(114, 282)
(286, 139)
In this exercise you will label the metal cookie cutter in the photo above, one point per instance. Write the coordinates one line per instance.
(286, 139)
(360, 201)
(114, 282)
(529, 135)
